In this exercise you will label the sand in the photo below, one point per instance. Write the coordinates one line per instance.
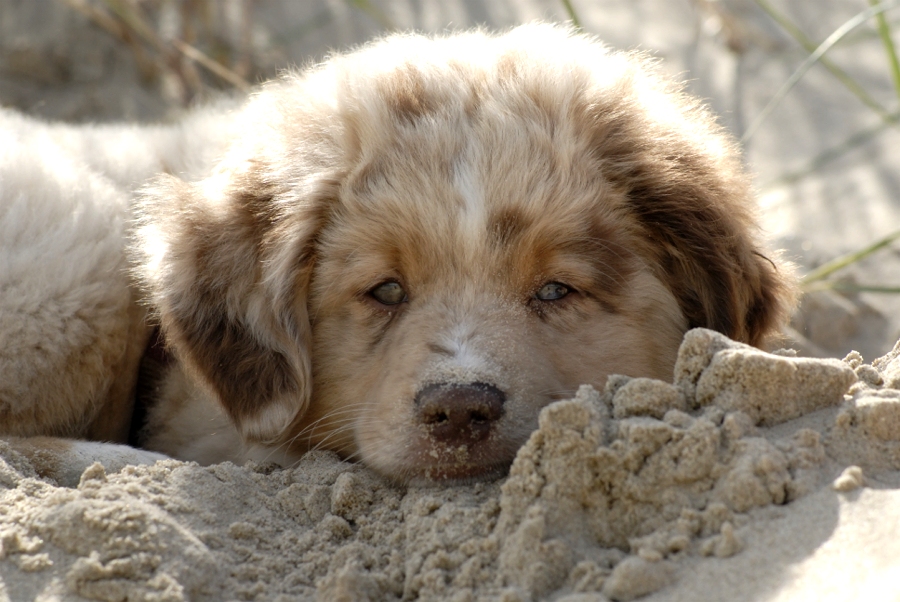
(753, 476)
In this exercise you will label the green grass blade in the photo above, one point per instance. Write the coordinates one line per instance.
(843, 261)
(832, 154)
(374, 12)
(810, 46)
(812, 59)
(573, 16)
(864, 288)
(884, 30)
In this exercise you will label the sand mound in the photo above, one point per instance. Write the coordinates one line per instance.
(622, 493)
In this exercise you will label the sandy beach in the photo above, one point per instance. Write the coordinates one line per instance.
(711, 488)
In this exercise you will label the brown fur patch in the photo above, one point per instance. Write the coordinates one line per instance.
(694, 208)
(406, 94)
(507, 225)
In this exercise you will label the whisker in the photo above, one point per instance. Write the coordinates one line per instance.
(333, 434)
(350, 409)
(343, 424)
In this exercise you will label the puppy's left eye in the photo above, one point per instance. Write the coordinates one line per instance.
(389, 293)
(552, 291)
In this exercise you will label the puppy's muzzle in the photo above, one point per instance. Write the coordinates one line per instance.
(459, 414)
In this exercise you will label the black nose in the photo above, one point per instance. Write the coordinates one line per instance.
(459, 414)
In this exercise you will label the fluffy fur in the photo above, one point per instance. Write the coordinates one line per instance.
(71, 330)
(409, 250)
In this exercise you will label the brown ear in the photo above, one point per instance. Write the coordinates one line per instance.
(706, 255)
(683, 181)
(226, 267)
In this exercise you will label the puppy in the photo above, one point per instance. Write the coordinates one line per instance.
(406, 252)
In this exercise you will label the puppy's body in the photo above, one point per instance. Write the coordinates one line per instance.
(71, 329)
(410, 250)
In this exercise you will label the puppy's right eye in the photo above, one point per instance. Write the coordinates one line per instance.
(389, 293)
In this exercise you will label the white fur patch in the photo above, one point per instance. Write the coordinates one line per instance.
(473, 217)
(268, 424)
(467, 364)
(465, 355)
(113, 457)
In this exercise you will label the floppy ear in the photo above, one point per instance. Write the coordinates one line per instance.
(682, 179)
(703, 241)
(226, 265)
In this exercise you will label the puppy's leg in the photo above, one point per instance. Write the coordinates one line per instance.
(65, 460)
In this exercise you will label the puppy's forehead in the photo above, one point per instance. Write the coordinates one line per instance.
(473, 172)
(463, 168)
(478, 198)
(485, 215)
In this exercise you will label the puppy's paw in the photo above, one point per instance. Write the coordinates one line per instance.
(66, 460)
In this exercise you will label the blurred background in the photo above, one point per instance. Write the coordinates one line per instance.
(825, 153)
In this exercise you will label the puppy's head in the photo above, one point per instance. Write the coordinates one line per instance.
(419, 245)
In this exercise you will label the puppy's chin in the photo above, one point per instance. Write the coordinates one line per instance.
(429, 462)
(433, 472)
(415, 457)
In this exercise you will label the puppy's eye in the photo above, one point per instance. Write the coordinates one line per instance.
(389, 293)
(552, 291)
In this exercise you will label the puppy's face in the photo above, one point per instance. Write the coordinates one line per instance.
(416, 247)
(464, 281)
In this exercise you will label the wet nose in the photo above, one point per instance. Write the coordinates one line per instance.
(457, 414)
